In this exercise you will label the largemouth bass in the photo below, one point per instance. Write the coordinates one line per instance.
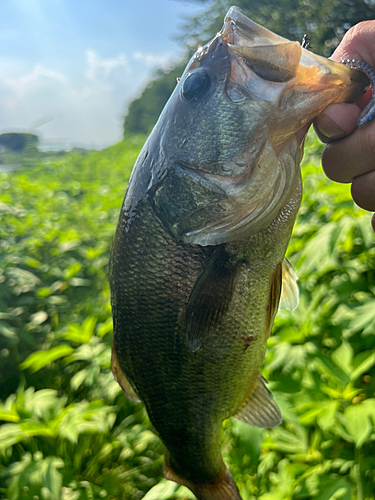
(197, 268)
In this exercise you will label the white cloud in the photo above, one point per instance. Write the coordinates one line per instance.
(84, 108)
(98, 67)
(24, 83)
(155, 60)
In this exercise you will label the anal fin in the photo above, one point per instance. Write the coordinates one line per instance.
(260, 409)
(121, 379)
(221, 488)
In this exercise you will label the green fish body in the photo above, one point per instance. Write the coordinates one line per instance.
(197, 266)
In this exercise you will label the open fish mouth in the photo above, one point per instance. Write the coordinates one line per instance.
(233, 129)
(290, 84)
(299, 83)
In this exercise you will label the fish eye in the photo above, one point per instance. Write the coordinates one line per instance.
(196, 84)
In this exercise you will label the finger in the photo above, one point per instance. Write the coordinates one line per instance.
(357, 44)
(373, 222)
(351, 157)
(363, 191)
(337, 121)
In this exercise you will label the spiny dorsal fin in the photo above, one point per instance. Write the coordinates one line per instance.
(260, 410)
(121, 379)
(289, 292)
(210, 297)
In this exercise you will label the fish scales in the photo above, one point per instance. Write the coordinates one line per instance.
(210, 387)
(197, 265)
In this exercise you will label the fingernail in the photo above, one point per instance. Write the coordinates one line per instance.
(330, 129)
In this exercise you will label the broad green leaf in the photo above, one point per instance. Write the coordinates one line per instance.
(318, 252)
(343, 357)
(79, 282)
(334, 489)
(184, 493)
(364, 318)
(358, 422)
(9, 416)
(327, 416)
(251, 439)
(39, 317)
(162, 491)
(30, 429)
(363, 367)
(7, 331)
(25, 280)
(72, 270)
(105, 328)
(86, 418)
(42, 404)
(82, 333)
(332, 369)
(267, 462)
(287, 441)
(34, 477)
(310, 416)
(10, 434)
(40, 359)
(78, 379)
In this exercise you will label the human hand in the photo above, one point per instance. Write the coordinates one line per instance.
(350, 153)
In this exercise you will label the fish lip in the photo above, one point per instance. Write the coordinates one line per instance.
(238, 28)
(240, 31)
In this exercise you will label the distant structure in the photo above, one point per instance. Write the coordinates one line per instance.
(18, 142)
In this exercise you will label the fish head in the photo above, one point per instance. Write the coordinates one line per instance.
(226, 149)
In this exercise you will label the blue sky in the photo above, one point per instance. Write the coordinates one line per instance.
(69, 67)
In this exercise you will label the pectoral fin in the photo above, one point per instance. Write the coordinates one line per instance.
(210, 298)
(274, 299)
(289, 291)
(260, 410)
(121, 379)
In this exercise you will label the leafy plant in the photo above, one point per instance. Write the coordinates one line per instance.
(67, 430)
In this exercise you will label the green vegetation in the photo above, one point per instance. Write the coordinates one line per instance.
(67, 431)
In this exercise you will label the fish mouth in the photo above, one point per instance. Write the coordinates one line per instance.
(298, 81)
(247, 125)
(244, 35)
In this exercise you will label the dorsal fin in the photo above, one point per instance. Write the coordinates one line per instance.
(121, 379)
(210, 297)
(289, 291)
(260, 409)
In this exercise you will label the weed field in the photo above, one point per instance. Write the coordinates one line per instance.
(68, 433)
